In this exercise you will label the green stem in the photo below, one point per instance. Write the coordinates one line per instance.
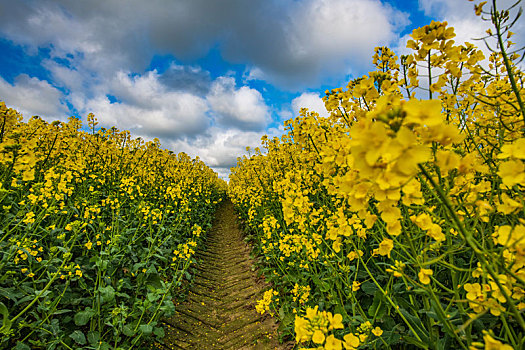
(467, 236)
(429, 76)
(497, 24)
(387, 297)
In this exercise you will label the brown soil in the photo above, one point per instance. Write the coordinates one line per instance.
(219, 312)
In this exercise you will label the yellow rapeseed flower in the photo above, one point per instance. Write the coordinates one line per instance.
(318, 337)
(385, 247)
(332, 343)
(512, 172)
(377, 331)
(351, 341)
(424, 275)
(336, 321)
(493, 344)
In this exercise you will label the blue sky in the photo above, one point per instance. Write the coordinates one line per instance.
(206, 77)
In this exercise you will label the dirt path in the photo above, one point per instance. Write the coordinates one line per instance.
(220, 309)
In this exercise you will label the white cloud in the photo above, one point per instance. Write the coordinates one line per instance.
(184, 116)
(253, 73)
(310, 100)
(69, 78)
(32, 96)
(187, 78)
(148, 107)
(288, 42)
(91, 34)
(333, 30)
(321, 39)
(219, 148)
(441, 8)
(152, 105)
(107, 45)
(243, 107)
(140, 90)
(285, 114)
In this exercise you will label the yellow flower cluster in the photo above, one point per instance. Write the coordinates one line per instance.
(263, 305)
(83, 212)
(318, 327)
(301, 294)
(27, 248)
(415, 203)
(184, 251)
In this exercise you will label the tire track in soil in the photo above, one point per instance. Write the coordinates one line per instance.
(219, 312)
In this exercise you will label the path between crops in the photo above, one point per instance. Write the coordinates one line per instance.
(219, 312)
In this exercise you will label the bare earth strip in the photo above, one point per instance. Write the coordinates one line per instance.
(219, 312)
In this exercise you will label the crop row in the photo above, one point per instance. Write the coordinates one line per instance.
(398, 220)
(97, 233)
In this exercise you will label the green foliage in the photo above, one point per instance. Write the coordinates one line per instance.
(97, 233)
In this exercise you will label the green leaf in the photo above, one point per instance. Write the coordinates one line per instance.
(102, 264)
(187, 275)
(153, 280)
(146, 329)
(128, 331)
(22, 346)
(151, 269)
(159, 332)
(93, 338)
(444, 343)
(152, 296)
(6, 322)
(10, 293)
(103, 346)
(417, 325)
(24, 299)
(377, 308)
(137, 266)
(82, 317)
(59, 312)
(323, 286)
(107, 293)
(369, 288)
(415, 342)
(168, 308)
(78, 337)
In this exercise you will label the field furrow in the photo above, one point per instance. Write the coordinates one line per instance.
(219, 312)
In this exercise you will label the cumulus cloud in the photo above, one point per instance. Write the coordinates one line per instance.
(285, 113)
(146, 106)
(100, 54)
(94, 35)
(69, 78)
(155, 105)
(310, 100)
(290, 43)
(187, 78)
(319, 38)
(32, 96)
(184, 115)
(243, 107)
(219, 148)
